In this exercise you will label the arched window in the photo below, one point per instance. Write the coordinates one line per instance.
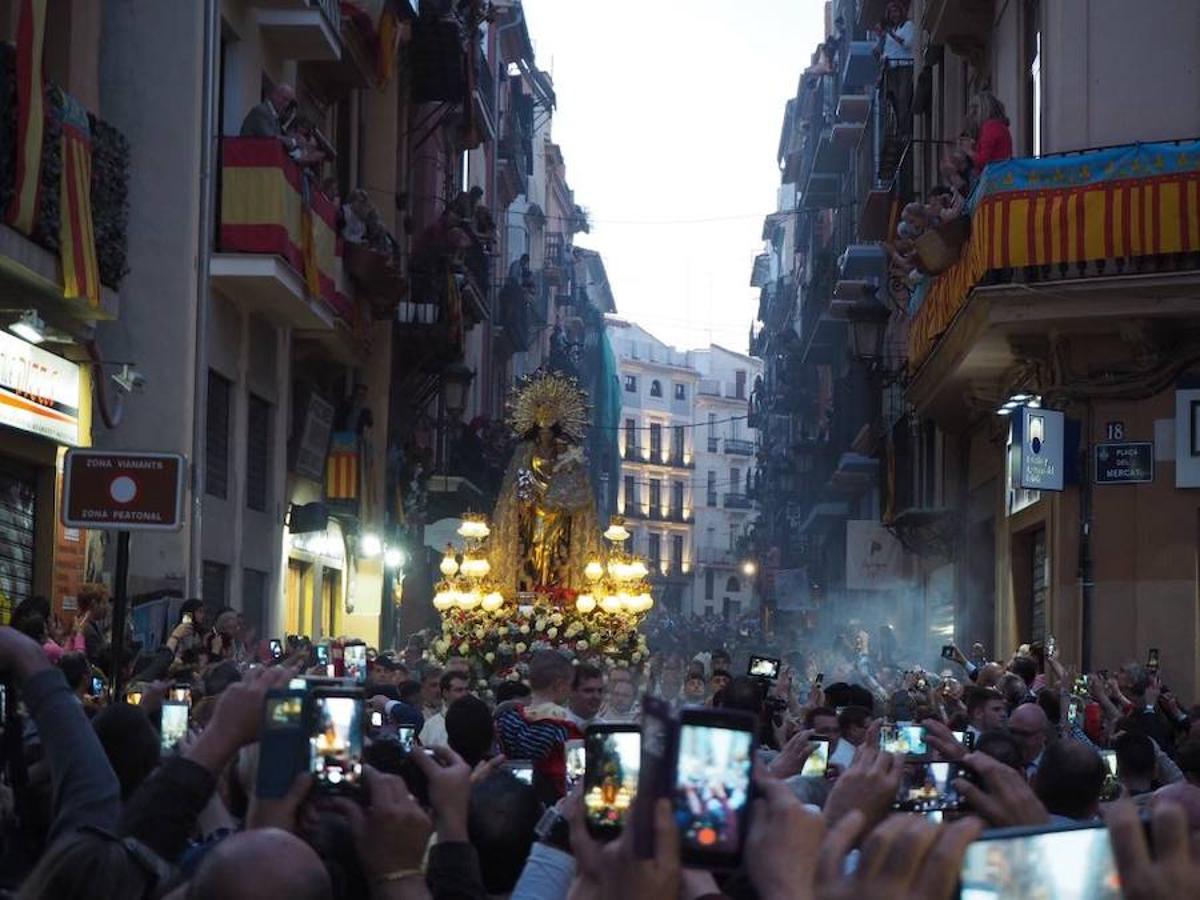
(656, 388)
(733, 586)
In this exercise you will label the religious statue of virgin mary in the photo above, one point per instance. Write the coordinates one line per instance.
(544, 526)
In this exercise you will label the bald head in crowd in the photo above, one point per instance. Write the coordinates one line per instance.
(268, 856)
(1028, 724)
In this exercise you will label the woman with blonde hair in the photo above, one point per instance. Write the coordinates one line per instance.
(989, 122)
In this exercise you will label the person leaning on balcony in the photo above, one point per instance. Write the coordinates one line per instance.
(276, 117)
(899, 46)
(989, 122)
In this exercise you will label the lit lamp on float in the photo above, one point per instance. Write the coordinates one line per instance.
(618, 585)
(466, 582)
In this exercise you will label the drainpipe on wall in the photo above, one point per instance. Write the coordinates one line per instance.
(208, 132)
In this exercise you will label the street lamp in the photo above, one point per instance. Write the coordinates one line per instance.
(749, 569)
(868, 322)
(456, 378)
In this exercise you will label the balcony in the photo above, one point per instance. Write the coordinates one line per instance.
(302, 30)
(738, 501)
(31, 272)
(261, 260)
(516, 141)
(515, 316)
(1087, 242)
(964, 25)
(475, 280)
(739, 447)
(882, 165)
(715, 556)
(677, 515)
(485, 95)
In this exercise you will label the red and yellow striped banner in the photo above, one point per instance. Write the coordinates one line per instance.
(264, 210)
(341, 468)
(1111, 220)
(77, 239)
(31, 115)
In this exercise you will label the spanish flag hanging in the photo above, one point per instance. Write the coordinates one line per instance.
(31, 115)
(77, 241)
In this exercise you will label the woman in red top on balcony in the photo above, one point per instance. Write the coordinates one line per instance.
(993, 140)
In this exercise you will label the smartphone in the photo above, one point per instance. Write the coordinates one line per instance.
(335, 739)
(712, 785)
(1112, 785)
(1152, 661)
(1051, 647)
(763, 667)
(133, 697)
(276, 646)
(928, 787)
(1012, 863)
(966, 738)
(660, 734)
(322, 654)
(819, 680)
(97, 685)
(817, 763)
(576, 762)
(612, 766)
(522, 769)
(407, 735)
(903, 737)
(376, 719)
(283, 743)
(1081, 688)
(354, 658)
(181, 693)
(1074, 711)
(947, 651)
(174, 724)
(187, 618)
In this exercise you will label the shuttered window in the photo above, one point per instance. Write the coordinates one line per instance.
(216, 584)
(216, 447)
(254, 599)
(258, 453)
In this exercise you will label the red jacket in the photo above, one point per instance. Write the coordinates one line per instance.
(994, 143)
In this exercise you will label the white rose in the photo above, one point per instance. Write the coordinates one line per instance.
(489, 656)
(442, 647)
(556, 619)
(581, 645)
(521, 648)
(479, 633)
(552, 633)
(540, 624)
(524, 629)
(464, 648)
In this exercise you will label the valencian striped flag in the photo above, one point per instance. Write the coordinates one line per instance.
(341, 470)
(31, 115)
(81, 274)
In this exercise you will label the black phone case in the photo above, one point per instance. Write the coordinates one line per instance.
(656, 778)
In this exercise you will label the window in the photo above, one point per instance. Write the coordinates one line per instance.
(254, 599)
(258, 453)
(739, 384)
(677, 439)
(677, 499)
(735, 480)
(1032, 112)
(733, 586)
(630, 495)
(711, 499)
(216, 443)
(654, 547)
(680, 391)
(709, 583)
(656, 442)
(655, 388)
(712, 432)
(631, 384)
(677, 552)
(214, 584)
(655, 496)
(631, 438)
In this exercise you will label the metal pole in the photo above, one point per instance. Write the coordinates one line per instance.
(120, 614)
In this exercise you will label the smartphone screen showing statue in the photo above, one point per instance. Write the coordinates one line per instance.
(174, 724)
(817, 763)
(1016, 864)
(335, 740)
(613, 761)
(576, 762)
(354, 657)
(712, 786)
(764, 667)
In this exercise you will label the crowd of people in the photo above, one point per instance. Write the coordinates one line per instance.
(470, 793)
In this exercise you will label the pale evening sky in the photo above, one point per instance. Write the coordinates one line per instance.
(669, 113)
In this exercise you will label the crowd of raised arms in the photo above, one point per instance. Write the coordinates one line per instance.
(285, 768)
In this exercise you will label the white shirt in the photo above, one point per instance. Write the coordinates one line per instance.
(434, 732)
(581, 722)
(900, 50)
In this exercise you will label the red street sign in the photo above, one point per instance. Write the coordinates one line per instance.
(124, 491)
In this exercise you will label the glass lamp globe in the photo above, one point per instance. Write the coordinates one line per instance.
(448, 565)
(492, 601)
(585, 603)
